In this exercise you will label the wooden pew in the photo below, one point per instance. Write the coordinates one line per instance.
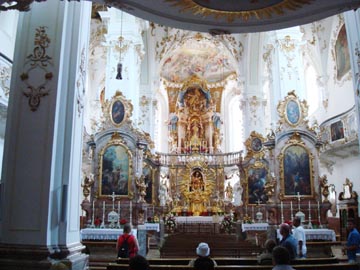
(232, 261)
(328, 266)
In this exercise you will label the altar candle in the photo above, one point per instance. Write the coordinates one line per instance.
(104, 206)
(119, 208)
(309, 207)
(93, 205)
(252, 212)
(291, 209)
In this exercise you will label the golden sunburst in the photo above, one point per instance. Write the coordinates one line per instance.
(260, 13)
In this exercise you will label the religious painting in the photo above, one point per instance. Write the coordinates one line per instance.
(114, 170)
(147, 173)
(256, 178)
(292, 112)
(342, 54)
(296, 168)
(256, 144)
(197, 181)
(337, 131)
(117, 112)
(5, 75)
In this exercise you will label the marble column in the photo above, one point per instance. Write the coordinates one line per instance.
(39, 218)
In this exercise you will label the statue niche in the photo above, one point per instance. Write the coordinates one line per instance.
(195, 125)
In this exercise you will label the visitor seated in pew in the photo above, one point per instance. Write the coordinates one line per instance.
(281, 259)
(138, 262)
(265, 258)
(203, 252)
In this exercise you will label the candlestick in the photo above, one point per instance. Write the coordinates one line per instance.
(131, 212)
(319, 216)
(310, 224)
(93, 213)
(103, 217)
(298, 196)
(282, 212)
(291, 210)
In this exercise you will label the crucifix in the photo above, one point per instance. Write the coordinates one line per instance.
(299, 198)
(258, 202)
(113, 200)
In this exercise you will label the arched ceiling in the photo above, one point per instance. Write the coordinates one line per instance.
(232, 16)
(221, 16)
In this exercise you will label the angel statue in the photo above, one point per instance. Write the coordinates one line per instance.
(269, 189)
(140, 183)
(88, 183)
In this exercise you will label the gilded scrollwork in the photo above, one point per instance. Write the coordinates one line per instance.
(255, 146)
(38, 62)
(118, 110)
(292, 111)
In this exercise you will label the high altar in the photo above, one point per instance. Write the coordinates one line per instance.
(276, 178)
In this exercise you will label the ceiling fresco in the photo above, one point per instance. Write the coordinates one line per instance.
(202, 57)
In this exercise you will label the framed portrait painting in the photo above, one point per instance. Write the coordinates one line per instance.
(117, 112)
(296, 168)
(115, 168)
(292, 112)
(337, 131)
(148, 178)
(256, 179)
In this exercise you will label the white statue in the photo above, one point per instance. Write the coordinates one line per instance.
(163, 193)
(238, 190)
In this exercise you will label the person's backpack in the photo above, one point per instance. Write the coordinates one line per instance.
(124, 249)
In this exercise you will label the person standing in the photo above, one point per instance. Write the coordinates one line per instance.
(353, 242)
(132, 246)
(288, 241)
(299, 235)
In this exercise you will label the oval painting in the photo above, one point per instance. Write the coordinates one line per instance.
(292, 112)
(117, 112)
(256, 144)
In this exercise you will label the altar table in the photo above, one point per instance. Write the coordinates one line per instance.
(199, 219)
(316, 234)
(102, 234)
(254, 227)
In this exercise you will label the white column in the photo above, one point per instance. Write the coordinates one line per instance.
(42, 156)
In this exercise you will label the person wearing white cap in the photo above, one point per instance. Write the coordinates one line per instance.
(203, 260)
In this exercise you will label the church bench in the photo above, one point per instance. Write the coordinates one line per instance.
(327, 266)
(232, 261)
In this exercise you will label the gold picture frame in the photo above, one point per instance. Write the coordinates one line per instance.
(115, 168)
(257, 175)
(292, 111)
(296, 169)
(118, 110)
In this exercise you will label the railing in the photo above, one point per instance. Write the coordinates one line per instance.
(225, 159)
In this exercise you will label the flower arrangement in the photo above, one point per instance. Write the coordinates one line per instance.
(247, 219)
(227, 224)
(123, 221)
(170, 222)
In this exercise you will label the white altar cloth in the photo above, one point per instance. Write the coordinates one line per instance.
(254, 227)
(150, 227)
(102, 234)
(316, 234)
(199, 219)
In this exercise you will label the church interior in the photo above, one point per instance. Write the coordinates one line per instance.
(194, 121)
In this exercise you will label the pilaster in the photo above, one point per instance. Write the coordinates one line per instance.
(40, 201)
